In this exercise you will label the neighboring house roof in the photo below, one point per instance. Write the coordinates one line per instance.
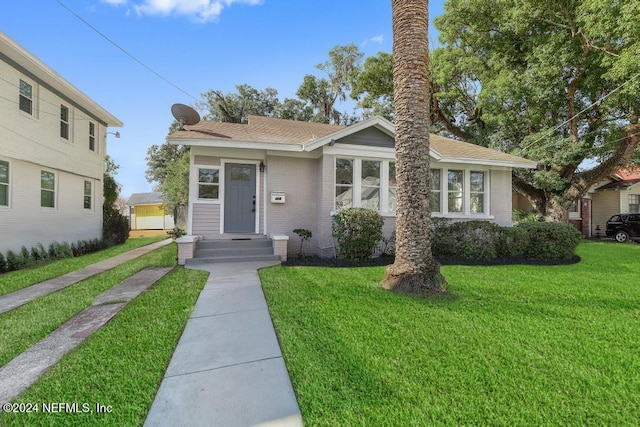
(627, 174)
(289, 135)
(19, 58)
(137, 199)
(625, 183)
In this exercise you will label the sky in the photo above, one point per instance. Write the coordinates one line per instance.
(195, 46)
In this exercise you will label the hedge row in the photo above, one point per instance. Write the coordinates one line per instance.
(39, 254)
(485, 241)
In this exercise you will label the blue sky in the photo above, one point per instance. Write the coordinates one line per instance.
(197, 45)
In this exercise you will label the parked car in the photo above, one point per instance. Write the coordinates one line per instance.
(624, 227)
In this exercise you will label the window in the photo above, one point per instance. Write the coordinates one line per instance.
(64, 122)
(92, 136)
(393, 188)
(370, 185)
(436, 190)
(208, 183)
(634, 203)
(344, 183)
(476, 187)
(573, 207)
(455, 185)
(26, 97)
(47, 189)
(87, 194)
(4, 183)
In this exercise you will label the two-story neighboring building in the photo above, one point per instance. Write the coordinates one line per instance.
(52, 149)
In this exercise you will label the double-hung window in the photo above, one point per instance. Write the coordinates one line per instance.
(634, 203)
(344, 183)
(64, 122)
(476, 190)
(87, 194)
(208, 183)
(392, 203)
(4, 183)
(455, 187)
(92, 136)
(370, 185)
(26, 97)
(47, 189)
(436, 190)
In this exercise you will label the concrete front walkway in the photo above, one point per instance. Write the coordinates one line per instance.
(227, 369)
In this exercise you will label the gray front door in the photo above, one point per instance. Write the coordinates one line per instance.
(240, 198)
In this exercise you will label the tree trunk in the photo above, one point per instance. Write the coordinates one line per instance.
(414, 269)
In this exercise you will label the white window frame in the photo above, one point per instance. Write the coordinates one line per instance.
(483, 192)
(439, 191)
(92, 137)
(219, 184)
(34, 98)
(444, 187)
(65, 124)
(7, 184)
(54, 191)
(85, 195)
(637, 197)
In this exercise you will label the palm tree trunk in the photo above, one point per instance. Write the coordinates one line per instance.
(414, 269)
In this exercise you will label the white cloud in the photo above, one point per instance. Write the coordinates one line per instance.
(379, 39)
(201, 10)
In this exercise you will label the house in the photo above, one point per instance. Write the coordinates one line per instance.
(619, 193)
(52, 149)
(146, 212)
(270, 176)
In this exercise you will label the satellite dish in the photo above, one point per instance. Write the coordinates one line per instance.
(185, 115)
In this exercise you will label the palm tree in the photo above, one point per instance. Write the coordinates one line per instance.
(414, 270)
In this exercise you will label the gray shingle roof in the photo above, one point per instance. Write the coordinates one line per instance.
(144, 199)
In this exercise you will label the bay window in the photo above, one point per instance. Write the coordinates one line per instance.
(344, 183)
(370, 185)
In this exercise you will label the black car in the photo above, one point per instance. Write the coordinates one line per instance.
(624, 227)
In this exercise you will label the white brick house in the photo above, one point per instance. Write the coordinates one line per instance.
(52, 149)
(271, 176)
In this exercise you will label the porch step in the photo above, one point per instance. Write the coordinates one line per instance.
(219, 251)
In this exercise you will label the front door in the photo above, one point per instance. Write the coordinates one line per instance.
(240, 198)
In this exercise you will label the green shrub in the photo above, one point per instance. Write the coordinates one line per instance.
(550, 240)
(3, 264)
(115, 227)
(27, 260)
(469, 240)
(357, 232)
(39, 253)
(304, 235)
(176, 232)
(14, 261)
(512, 241)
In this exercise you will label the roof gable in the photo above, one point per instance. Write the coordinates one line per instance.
(145, 199)
(289, 135)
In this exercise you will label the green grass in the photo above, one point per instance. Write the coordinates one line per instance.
(15, 280)
(515, 345)
(123, 363)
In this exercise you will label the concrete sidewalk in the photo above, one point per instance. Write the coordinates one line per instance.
(20, 297)
(227, 369)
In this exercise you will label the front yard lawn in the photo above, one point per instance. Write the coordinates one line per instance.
(515, 345)
(122, 364)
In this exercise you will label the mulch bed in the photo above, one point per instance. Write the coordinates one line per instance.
(315, 261)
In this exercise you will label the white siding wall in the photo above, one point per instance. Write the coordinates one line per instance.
(26, 223)
(33, 143)
(206, 220)
(604, 204)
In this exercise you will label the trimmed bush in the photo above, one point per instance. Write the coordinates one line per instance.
(550, 240)
(14, 261)
(357, 232)
(3, 264)
(512, 241)
(470, 240)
